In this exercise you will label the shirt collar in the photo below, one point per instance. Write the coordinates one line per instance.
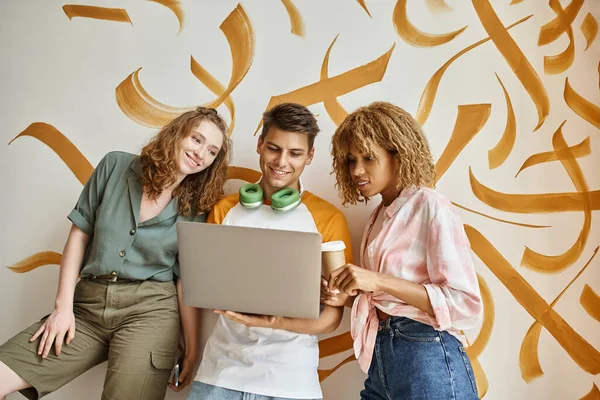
(136, 165)
(302, 188)
(135, 195)
(397, 204)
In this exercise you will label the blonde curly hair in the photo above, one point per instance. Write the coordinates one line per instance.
(393, 129)
(199, 192)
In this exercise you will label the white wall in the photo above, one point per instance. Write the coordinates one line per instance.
(64, 73)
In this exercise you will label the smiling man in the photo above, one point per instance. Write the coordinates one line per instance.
(260, 357)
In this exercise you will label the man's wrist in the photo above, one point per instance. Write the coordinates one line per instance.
(277, 323)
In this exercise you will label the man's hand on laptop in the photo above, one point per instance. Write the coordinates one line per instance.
(251, 320)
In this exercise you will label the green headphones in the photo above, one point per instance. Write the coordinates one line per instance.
(251, 196)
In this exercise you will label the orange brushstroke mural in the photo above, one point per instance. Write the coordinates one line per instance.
(529, 354)
(593, 394)
(506, 143)
(552, 30)
(175, 7)
(295, 18)
(581, 106)
(514, 57)
(500, 152)
(141, 107)
(469, 121)
(35, 261)
(53, 138)
(93, 12)
(560, 62)
(590, 301)
(580, 150)
(430, 92)
(552, 264)
(214, 86)
(337, 85)
(580, 350)
(334, 109)
(534, 203)
(364, 7)
(414, 36)
(589, 27)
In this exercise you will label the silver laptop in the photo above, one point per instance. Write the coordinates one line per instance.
(250, 270)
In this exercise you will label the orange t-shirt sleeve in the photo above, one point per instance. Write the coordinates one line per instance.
(219, 212)
(331, 223)
(338, 230)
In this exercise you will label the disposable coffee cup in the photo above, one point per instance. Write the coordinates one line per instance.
(332, 257)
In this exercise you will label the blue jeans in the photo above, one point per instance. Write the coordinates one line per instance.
(204, 391)
(413, 361)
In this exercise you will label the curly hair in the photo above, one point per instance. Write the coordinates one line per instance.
(199, 192)
(393, 129)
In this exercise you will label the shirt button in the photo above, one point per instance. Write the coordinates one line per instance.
(122, 253)
(132, 232)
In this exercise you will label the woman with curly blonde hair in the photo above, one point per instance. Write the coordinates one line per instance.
(127, 308)
(416, 288)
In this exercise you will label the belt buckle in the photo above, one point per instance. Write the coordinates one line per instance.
(114, 277)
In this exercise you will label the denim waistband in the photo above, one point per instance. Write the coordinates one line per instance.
(393, 322)
(402, 324)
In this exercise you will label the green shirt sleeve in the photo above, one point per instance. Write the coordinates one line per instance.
(84, 213)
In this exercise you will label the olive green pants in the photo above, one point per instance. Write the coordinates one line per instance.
(133, 325)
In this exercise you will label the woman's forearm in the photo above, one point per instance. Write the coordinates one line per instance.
(407, 291)
(70, 265)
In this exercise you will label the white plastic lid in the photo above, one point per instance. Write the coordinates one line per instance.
(336, 245)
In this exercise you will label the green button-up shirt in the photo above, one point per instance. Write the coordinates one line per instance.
(108, 211)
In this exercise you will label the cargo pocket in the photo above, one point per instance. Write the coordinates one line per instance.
(157, 376)
(162, 360)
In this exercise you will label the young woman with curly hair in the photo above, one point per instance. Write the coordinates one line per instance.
(126, 308)
(416, 288)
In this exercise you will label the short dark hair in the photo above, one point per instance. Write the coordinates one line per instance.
(291, 117)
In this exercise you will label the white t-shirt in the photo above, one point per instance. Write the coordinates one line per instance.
(265, 361)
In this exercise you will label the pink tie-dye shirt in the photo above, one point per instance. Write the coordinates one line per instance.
(422, 240)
